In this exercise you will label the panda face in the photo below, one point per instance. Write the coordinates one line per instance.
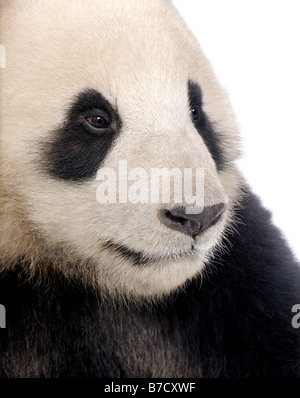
(99, 87)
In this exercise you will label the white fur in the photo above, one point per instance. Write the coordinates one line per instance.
(140, 56)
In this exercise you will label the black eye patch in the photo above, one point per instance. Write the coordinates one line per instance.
(204, 126)
(77, 149)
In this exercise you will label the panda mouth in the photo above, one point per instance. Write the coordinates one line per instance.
(140, 258)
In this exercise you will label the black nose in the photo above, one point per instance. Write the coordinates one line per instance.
(192, 224)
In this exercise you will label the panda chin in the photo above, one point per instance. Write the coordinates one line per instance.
(140, 258)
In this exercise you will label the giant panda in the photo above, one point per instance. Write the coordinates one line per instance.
(130, 288)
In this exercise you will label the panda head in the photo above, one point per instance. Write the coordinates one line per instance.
(99, 99)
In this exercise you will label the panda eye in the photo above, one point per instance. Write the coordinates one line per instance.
(98, 122)
(195, 112)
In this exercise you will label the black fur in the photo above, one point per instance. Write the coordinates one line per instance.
(234, 323)
(76, 151)
(204, 126)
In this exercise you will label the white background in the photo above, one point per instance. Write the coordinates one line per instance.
(254, 47)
